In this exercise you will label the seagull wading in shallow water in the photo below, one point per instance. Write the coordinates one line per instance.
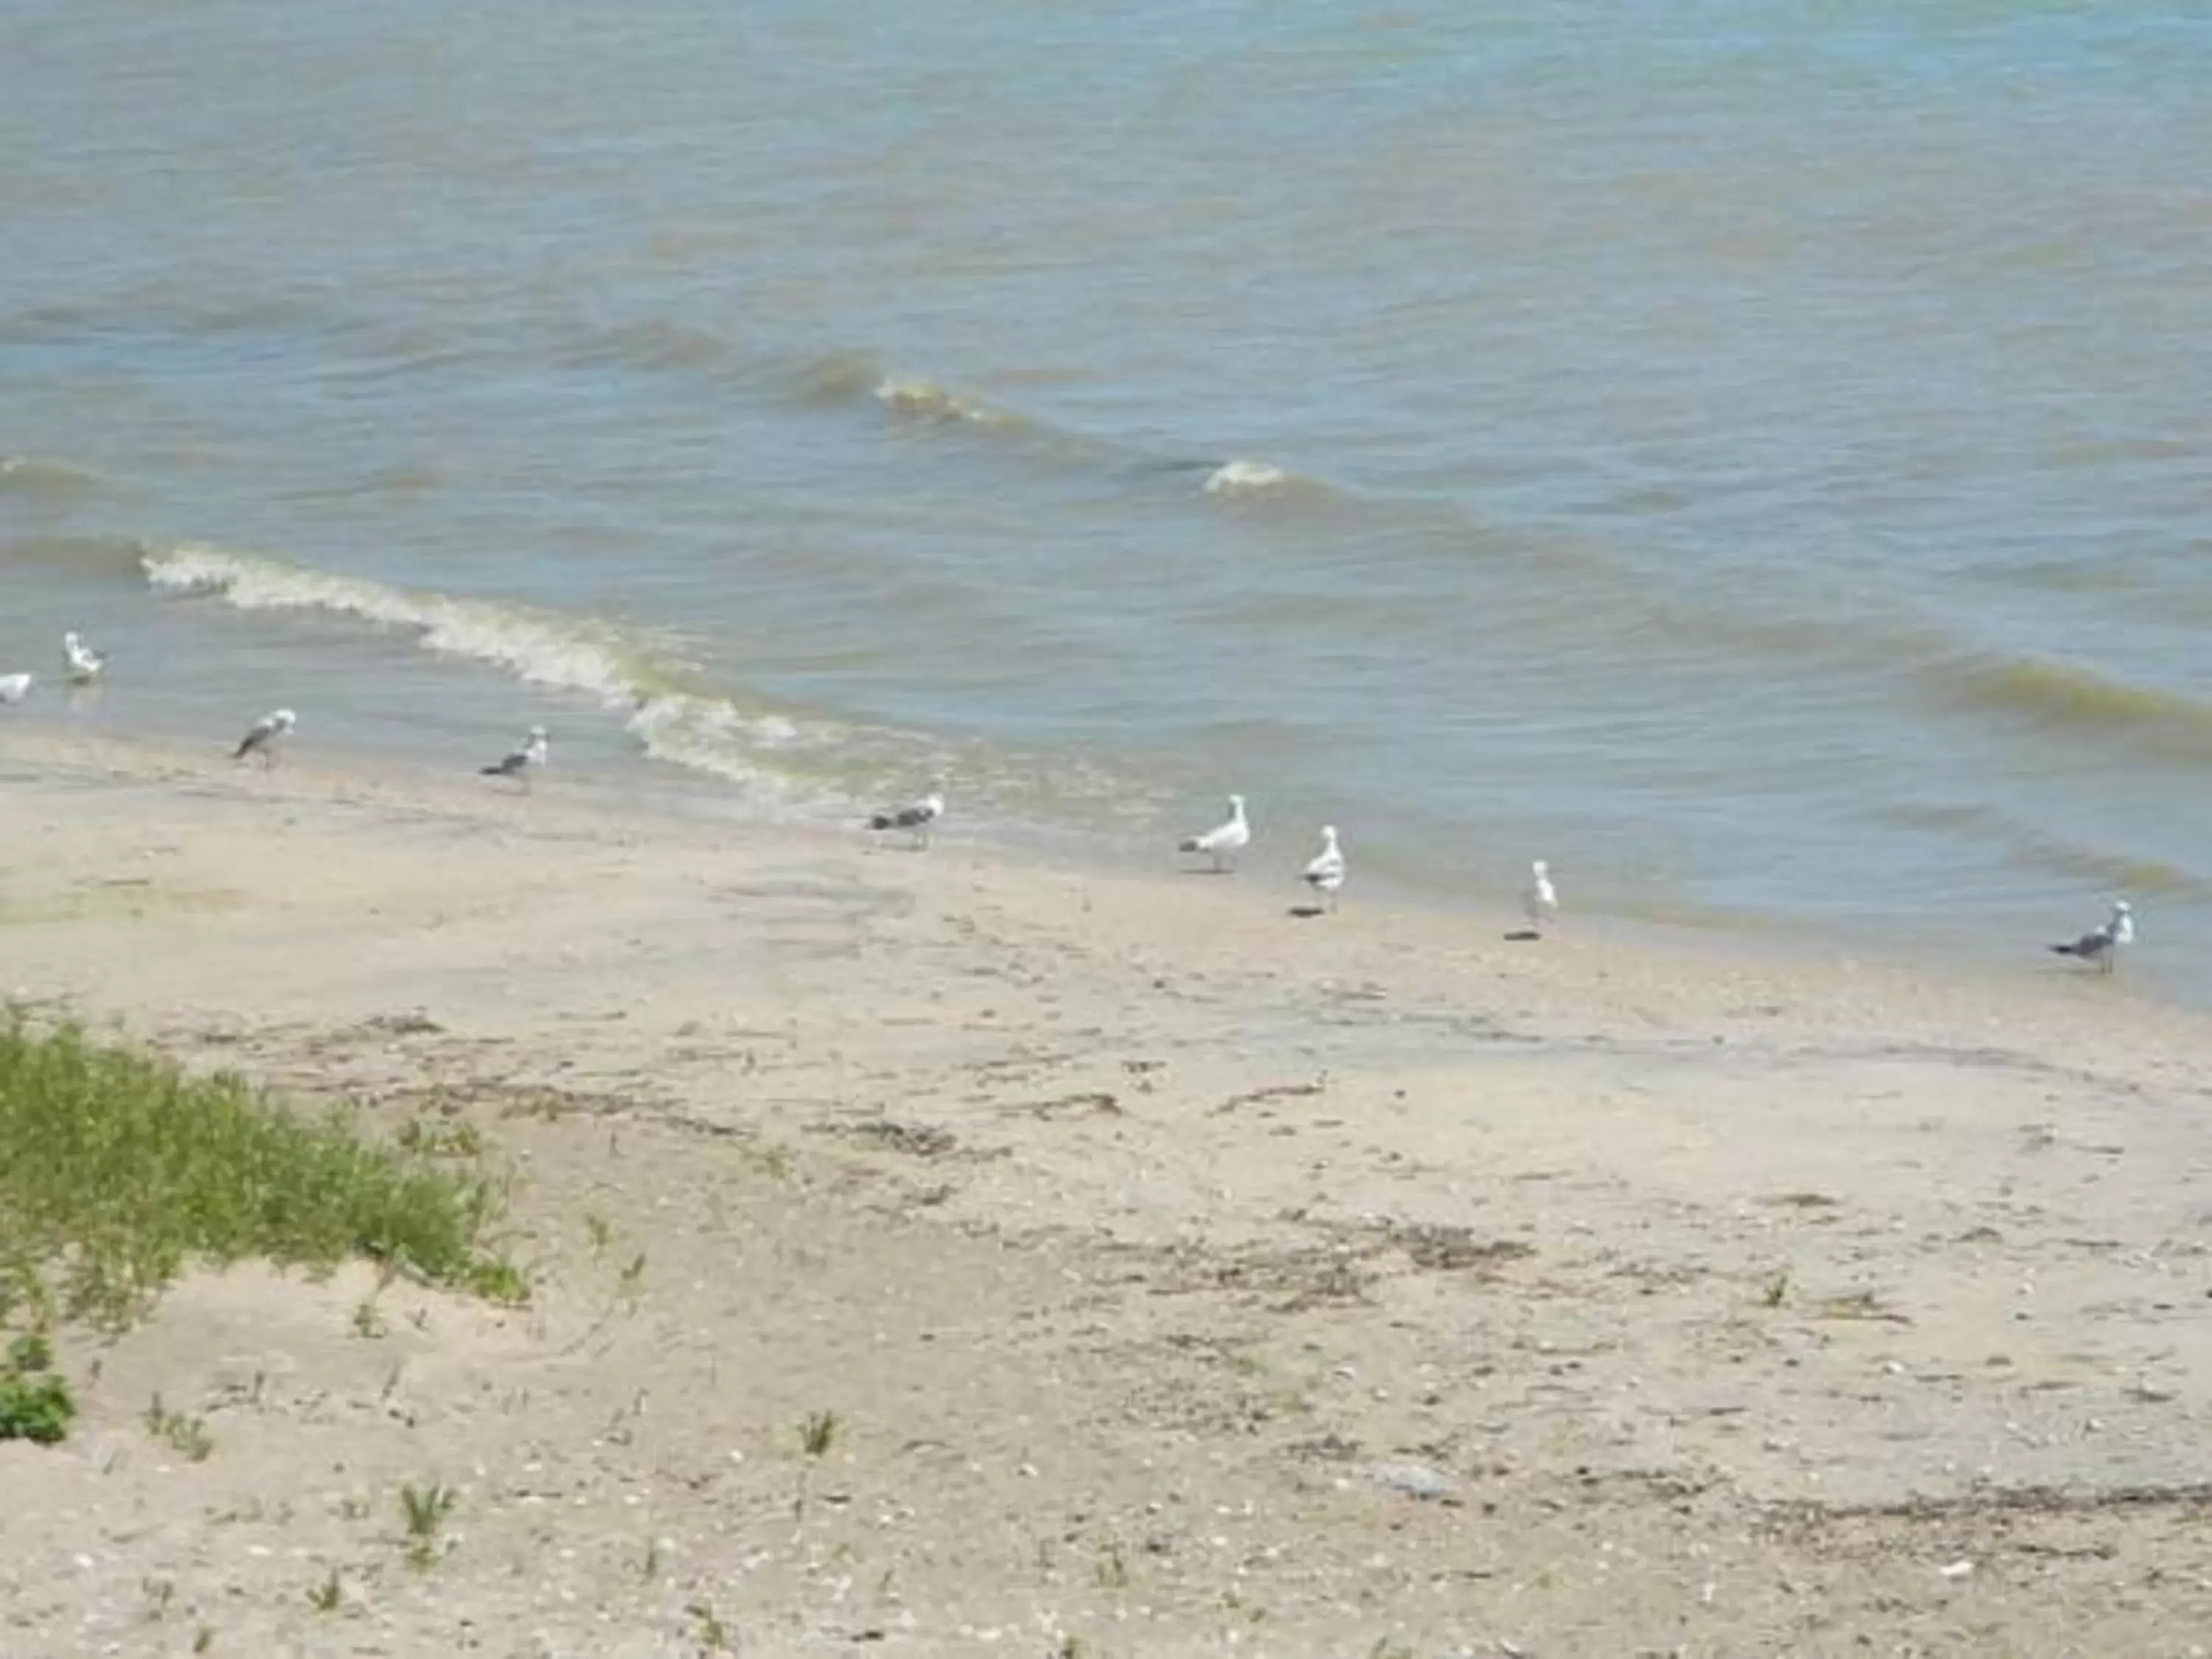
(1325, 875)
(265, 733)
(84, 663)
(1225, 840)
(13, 687)
(1540, 900)
(522, 762)
(2102, 945)
(916, 818)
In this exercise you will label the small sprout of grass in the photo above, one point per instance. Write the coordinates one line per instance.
(203, 1639)
(498, 1280)
(159, 1592)
(429, 1137)
(1113, 1568)
(326, 1594)
(368, 1319)
(708, 1629)
(35, 1405)
(597, 1230)
(425, 1508)
(649, 1569)
(187, 1435)
(816, 1434)
(819, 1433)
(1776, 1290)
(633, 1277)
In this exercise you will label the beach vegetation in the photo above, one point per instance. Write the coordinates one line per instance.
(424, 1509)
(122, 1169)
(707, 1629)
(187, 1435)
(817, 1433)
(35, 1403)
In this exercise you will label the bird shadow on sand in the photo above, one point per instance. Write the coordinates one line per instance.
(1523, 936)
(1307, 912)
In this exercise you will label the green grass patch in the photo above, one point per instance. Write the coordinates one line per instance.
(119, 1170)
(35, 1405)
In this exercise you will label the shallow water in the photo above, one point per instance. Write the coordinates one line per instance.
(1756, 455)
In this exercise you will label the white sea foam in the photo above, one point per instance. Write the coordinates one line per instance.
(544, 650)
(1244, 478)
(701, 732)
(924, 400)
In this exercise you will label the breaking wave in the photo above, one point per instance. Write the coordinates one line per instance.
(684, 724)
(926, 401)
(2065, 698)
(1245, 478)
(28, 475)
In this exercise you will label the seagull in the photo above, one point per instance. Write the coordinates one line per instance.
(916, 818)
(13, 687)
(264, 734)
(1540, 900)
(2102, 945)
(1326, 873)
(1225, 840)
(520, 763)
(85, 663)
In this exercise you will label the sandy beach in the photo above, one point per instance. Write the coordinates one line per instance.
(1184, 1277)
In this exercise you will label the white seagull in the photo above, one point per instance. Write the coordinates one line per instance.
(1225, 840)
(520, 763)
(2102, 945)
(916, 818)
(13, 687)
(1540, 900)
(84, 663)
(1325, 875)
(264, 734)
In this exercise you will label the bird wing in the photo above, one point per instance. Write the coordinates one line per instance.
(2095, 942)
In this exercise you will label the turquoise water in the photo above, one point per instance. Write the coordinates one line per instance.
(1758, 456)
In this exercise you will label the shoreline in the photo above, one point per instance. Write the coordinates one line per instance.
(1187, 1279)
(1738, 943)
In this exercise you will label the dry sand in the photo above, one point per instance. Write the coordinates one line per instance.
(1184, 1279)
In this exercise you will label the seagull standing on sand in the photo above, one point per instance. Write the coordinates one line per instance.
(84, 663)
(916, 818)
(1225, 840)
(1540, 900)
(520, 763)
(1325, 874)
(265, 733)
(2102, 945)
(13, 687)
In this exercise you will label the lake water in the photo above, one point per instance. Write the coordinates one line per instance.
(1758, 455)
